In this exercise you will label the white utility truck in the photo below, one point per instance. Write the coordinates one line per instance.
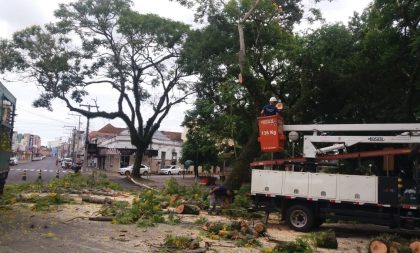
(306, 196)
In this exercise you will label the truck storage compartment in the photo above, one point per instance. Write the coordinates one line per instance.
(296, 184)
(267, 182)
(356, 188)
(323, 186)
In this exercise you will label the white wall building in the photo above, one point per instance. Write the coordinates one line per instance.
(118, 151)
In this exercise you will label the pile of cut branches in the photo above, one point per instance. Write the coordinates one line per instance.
(243, 232)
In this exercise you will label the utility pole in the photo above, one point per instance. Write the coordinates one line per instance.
(73, 154)
(85, 163)
(77, 134)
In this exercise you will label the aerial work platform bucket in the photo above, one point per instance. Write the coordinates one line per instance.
(271, 136)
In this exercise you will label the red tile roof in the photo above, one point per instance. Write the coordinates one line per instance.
(173, 136)
(107, 131)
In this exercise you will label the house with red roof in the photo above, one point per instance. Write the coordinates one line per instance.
(115, 149)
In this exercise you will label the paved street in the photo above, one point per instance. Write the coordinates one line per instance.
(49, 170)
(47, 167)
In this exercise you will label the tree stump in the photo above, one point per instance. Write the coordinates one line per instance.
(377, 246)
(415, 247)
(187, 209)
(259, 227)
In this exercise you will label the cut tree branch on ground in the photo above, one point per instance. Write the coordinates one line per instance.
(92, 218)
(140, 184)
(96, 200)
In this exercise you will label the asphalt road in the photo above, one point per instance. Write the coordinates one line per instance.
(47, 167)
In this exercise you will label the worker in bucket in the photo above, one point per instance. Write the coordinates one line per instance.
(272, 108)
(220, 195)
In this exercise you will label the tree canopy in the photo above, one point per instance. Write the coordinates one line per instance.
(365, 71)
(106, 45)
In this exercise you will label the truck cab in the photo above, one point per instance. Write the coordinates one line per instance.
(7, 114)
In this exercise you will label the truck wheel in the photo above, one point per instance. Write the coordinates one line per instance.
(300, 218)
(145, 173)
(127, 173)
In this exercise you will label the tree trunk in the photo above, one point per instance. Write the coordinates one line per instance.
(96, 200)
(241, 171)
(137, 162)
(195, 170)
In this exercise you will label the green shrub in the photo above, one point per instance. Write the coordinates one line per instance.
(173, 187)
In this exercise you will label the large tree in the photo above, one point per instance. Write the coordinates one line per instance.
(365, 72)
(249, 39)
(107, 45)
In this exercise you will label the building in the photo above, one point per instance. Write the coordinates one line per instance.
(115, 150)
(25, 146)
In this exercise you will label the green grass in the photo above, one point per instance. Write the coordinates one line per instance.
(55, 187)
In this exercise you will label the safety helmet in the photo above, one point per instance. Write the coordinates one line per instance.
(273, 99)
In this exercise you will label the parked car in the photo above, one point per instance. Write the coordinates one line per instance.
(66, 163)
(144, 170)
(36, 158)
(13, 161)
(171, 170)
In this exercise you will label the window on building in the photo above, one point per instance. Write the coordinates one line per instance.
(124, 161)
(174, 157)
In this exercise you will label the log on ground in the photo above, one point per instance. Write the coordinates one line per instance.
(187, 209)
(101, 218)
(96, 200)
(259, 227)
(378, 246)
(415, 246)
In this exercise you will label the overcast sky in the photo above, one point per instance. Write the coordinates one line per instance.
(18, 14)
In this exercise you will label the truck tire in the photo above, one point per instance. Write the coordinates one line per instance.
(300, 218)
